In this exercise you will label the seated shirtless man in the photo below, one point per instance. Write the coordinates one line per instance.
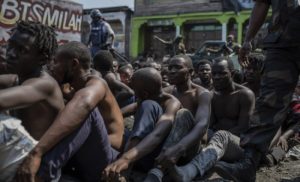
(30, 93)
(79, 132)
(103, 62)
(232, 106)
(196, 100)
(204, 73)
(155, 113)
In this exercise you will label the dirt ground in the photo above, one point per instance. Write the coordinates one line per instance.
(286, 171)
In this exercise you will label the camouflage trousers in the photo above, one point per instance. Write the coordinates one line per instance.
(278, 82)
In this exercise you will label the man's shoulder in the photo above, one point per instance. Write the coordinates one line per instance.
(44, 82)
(170, 99)
(169, 89)
(244, 91)
(200, 90)
(96, 80)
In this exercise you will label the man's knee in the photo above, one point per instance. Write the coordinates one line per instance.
(184, 118)
(222, 133)
(220, 137)
(150, 107)
(149, 104)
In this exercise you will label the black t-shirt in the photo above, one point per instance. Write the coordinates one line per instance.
(284, 30)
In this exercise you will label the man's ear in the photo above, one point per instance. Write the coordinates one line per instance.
(191, 71)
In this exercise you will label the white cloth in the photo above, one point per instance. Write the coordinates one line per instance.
(15, 144)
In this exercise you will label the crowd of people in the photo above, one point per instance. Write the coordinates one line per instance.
(72, 111)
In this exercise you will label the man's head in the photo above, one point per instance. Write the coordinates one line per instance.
(136, 65)
(115, 66)
(253, 71)
(146, 83)
(96, 15)
(70, 60)
(103, 61)
(180, 69)
(153, 64)
(297, 89)
(204, 70)
(30, 46)
(126, 73)
(230, 38)
(221, 73)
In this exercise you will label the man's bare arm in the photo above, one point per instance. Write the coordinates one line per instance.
(162, 129)
(247, 104)
(70, 118)
(30, 92)
(8, 80)
(129, 109)
(118, 85)
(202, 118)
(213, 118)
(258, 16)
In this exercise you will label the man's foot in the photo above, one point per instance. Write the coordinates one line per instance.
(243, 171)
(183, 174)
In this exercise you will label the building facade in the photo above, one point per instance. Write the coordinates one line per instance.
(196, 20)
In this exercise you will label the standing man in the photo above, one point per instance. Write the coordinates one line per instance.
(101, 32)
(279, 79)
(173, 47)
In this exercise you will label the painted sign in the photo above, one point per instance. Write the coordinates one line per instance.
(65, 16)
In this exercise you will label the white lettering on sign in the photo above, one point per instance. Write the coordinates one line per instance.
(64, 15)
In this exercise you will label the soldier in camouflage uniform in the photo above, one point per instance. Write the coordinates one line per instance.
(279, 79)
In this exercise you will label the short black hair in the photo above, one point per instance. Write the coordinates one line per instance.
(203, 62)
(45, 37)
(76, 50)
(148, 80)
(125, 67)
(229, 62)
(103, 61)
(187, 59)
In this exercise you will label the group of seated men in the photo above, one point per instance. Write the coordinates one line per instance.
(71, 111)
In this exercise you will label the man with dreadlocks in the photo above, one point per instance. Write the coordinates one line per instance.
(33, 96)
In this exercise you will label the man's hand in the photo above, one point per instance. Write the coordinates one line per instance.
(113, 171)
(243, 54)
(170, 156)
(282, 142)
(29, 168)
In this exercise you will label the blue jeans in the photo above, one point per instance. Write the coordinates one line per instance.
(88, 146)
